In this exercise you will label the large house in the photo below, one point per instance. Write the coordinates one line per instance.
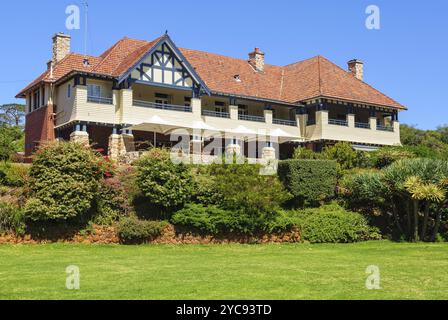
(137, 92)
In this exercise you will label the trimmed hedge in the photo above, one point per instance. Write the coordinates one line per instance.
(309, 181)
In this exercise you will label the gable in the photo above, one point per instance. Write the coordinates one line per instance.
(163, 67)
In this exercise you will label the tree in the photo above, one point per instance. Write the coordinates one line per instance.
(12, 114)
(11, 141)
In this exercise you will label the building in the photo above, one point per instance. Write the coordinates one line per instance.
(137, 92)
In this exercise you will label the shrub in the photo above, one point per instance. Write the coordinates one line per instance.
(133, 230)
(385, 156)
(309, 181)
(213, 220)
(112, 202)
(363, 190)
(13, 174)
(301, 153)
(343, 153)
(240, 187)
(333, 224)
(11, 219)
(63, 182)
(162, 182)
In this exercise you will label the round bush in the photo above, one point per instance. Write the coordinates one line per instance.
(63, 182)
(162, 182)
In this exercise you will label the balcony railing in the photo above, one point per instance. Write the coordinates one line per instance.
(337, 122)
(251, 118)
(362, 125)
(385, 128)
(285, 122)
(162, 106)
(216, 114)
(101, 100)
(311, 122)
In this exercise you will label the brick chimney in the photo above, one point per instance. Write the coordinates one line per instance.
(256, 60)
(61, 47)
(356, 67)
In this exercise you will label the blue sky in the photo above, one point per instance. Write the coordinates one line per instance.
(406, 58)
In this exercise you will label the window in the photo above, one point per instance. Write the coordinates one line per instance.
(43, 96)
(94, 90)
(220, 106)
(243, 110)
(69, 90)
(187, 102)
(162, 98)
(36, 98)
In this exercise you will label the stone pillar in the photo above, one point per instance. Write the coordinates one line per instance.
(80, 135)
(372, 122)
(121, 145)
(196, 107)
(268, 153)
(233, 110)
(115, 146)
(268, 116)
(351, 120)
(396, 126)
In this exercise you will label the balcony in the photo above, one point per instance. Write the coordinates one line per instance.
(251, 118)
(336, 122)
(385, 128)
(161, 106)
(362, 125)
(285, 122)
(99, 100)
(216, 114)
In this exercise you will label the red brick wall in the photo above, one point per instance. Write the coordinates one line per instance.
(39, 128)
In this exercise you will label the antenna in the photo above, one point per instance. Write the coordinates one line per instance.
(86, 26)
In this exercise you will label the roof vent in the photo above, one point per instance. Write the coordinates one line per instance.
(237, 78)
(86, 62)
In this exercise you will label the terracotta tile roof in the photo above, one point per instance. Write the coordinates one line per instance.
(312, 78)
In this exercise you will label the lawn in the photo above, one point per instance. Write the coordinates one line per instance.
(408, 271)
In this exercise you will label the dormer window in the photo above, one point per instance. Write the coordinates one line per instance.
(237, 78)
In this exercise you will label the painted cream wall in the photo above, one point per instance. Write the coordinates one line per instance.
(65, 110)
(122, 111)
(323, 130)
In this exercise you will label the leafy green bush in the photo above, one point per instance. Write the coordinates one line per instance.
(385, 156)
(301, 153)
(240, 187)
(11, 219)
(63, 182)
(112, 202)
(213, 220)
(343, 153)
(363, 190)
(162, 182)
(333, 224)
(13, 174)
(133, 230)
(309, 181)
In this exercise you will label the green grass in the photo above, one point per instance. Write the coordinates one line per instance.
(408, 271)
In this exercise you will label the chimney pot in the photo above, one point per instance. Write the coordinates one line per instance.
(61, 46)
(356, 68)
(256, 59)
